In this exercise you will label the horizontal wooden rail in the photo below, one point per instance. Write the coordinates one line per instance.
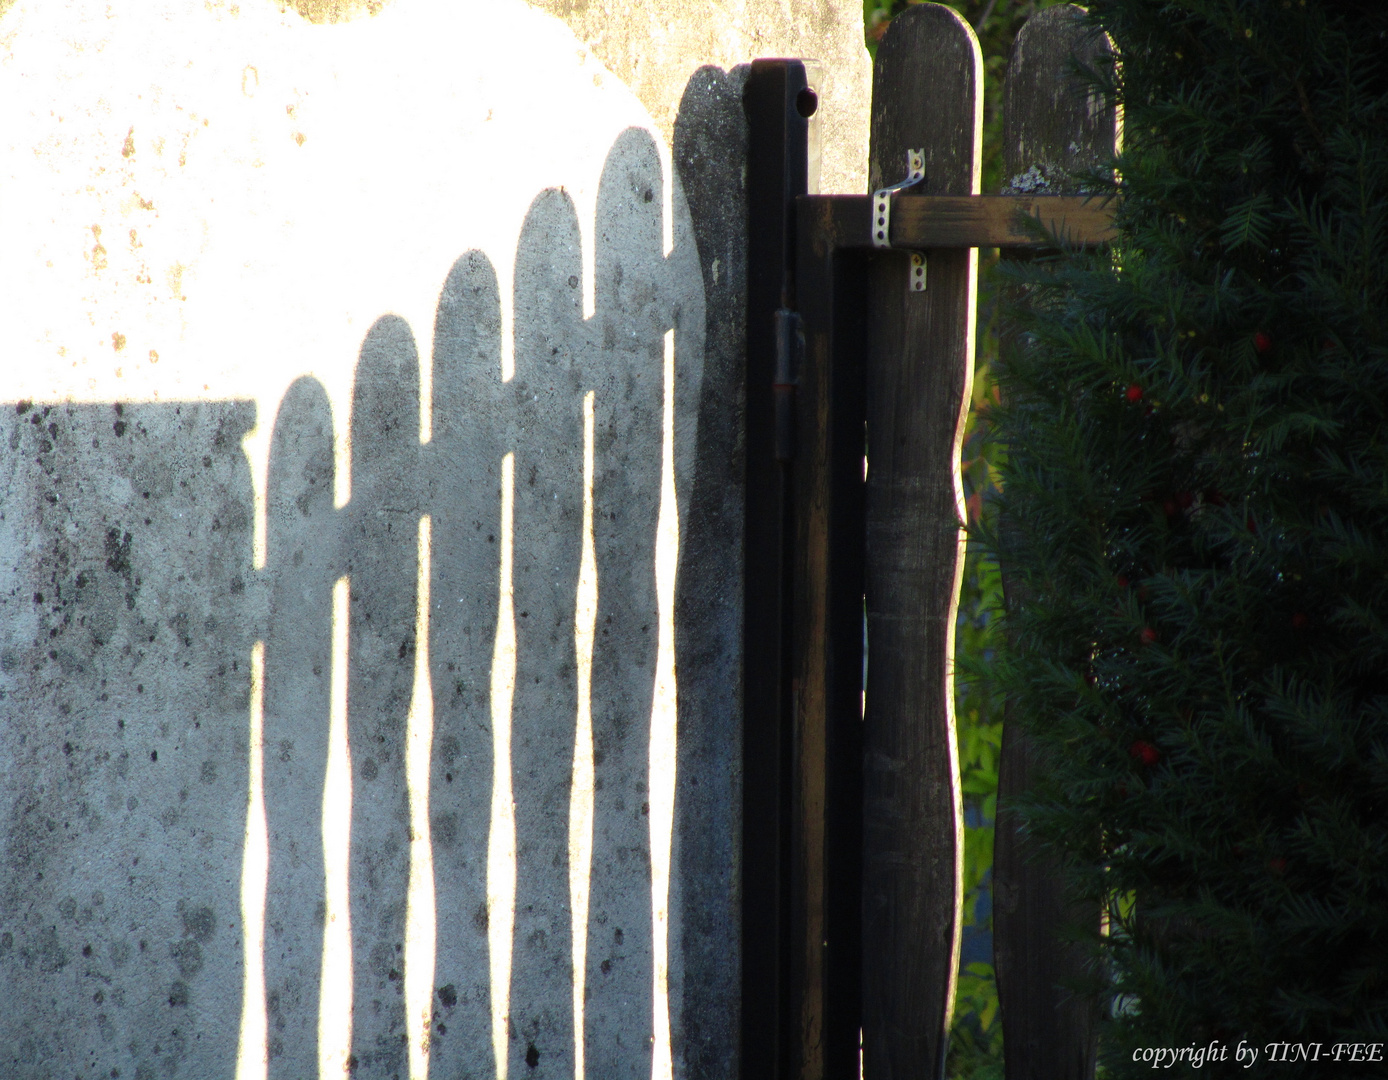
(919, 222)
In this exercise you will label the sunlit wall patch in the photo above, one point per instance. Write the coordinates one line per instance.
(581, 793)
(420, 925)
(255, 875)
(501, 841)
(335, 985)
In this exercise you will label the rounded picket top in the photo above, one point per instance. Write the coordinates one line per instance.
(1055, 127)
(931, 53)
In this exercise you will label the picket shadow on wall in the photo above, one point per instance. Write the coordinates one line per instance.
(134, 675)
(710, 145)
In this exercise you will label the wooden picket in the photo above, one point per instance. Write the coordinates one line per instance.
(860, 359)
(1052, 134)
(928, 94)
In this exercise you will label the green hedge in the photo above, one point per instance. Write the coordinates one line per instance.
(1195, 508)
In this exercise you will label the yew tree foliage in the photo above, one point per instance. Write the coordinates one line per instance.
(1195, 533)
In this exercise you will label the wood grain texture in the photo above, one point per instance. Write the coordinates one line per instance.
(1053, 133)
(1055, 129)
(927, 92)
(827, 658)
(924, 222)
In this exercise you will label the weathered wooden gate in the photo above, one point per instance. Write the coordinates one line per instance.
(860, 359)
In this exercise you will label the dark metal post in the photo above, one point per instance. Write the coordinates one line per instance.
(780, 101)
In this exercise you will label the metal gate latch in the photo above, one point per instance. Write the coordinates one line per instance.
(882, 216)
(882, 198)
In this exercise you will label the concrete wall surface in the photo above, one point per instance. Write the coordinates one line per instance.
(370, 516)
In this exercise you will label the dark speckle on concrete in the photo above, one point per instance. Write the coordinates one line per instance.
(200, 924)
(188, 956)
(444, 830)
(46, 952)
(92, 587)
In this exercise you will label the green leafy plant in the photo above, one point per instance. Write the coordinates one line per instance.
(976, 1038)
(1197, 514)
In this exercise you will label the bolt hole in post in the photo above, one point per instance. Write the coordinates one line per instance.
(807, 103)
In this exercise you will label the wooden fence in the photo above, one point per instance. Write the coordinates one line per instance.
(860, 360)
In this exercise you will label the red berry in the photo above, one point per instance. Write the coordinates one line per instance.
(1252, 525)
(1299, 621)
(1215, 497)
(1134, 392)
(1122, 581)
(1184, 498)
(1145, 752)
(1148, 635)
(1278, 866)
(1262, 342)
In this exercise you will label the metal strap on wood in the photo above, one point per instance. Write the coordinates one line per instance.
(882, 198)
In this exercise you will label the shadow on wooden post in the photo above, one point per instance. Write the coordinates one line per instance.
(1052, 130)
(927, 94)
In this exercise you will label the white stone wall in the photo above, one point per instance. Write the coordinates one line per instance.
(370, 385)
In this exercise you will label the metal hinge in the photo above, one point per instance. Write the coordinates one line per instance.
(790, 347)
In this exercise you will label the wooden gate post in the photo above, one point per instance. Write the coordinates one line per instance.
(927, 94)
(860, 356)
(826, 667)
(1051, 131)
